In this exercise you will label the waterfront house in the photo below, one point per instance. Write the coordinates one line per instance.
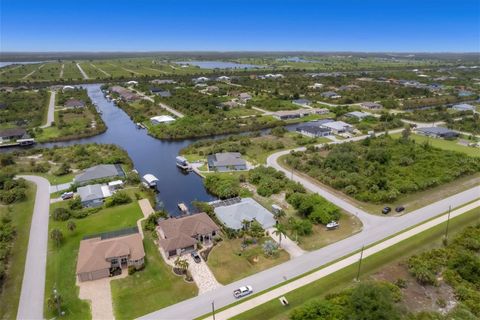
(74, 103)
(200, 80)
(99, 255)
(177, 236)
(93, 195)
(299, 113)
(124, 94)
(371, 105)
(331, 95)
(244, 97)
(313, 131)
(302, 102)
(160, 92)
(102, 171)
(12, 134)
(358, 115)
(227, 161)
(161, 119)
(337, 127)
(232, 215)
(223, 79)
(438, 132)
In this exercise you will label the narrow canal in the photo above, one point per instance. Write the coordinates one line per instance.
(149, 155)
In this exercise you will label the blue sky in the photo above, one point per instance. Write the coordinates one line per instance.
(229, 25)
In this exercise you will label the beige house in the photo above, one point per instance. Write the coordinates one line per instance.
(98, 255)
(180, 235)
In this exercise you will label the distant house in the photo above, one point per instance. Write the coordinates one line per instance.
(358, 115)
(302, 102)
(12, 134)
(102, 171)
(131, 83)
(92, 195)
(125, 94)
(337, 126)
(314, 131)
(230, 104)
(227, 161)
(233, 215)
(160, 92)
(371, 105)
(331, 95)
(223, 78)
(244, 97)
(212, 89)
(163, 81)
(316, 86)
(348, 87)
(161, 119)
(74, 103)
(463, 107)
(464, 93)
(98, 255)
(299, 113)
(438, 132)
(273, 76)
(201, 80)
(181, 235)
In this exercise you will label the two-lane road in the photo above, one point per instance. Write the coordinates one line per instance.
(33, 285)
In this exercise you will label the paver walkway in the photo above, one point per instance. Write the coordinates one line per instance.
(147, 210)
(287, 244)
(99, 294)
(270, 295)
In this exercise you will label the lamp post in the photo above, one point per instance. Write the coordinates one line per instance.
(213, 310)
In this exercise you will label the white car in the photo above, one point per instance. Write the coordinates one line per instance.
(242, 291)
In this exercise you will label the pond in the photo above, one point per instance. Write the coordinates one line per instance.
(219, 65)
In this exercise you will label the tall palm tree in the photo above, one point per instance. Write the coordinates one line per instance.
(280, 231)
(57, 236)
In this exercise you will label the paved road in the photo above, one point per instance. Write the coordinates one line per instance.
(51, 110)
(164, 106)
(371, 233)
(33, 285)
(84, 75)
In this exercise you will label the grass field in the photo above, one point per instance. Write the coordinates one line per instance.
(344, 278)
(229, 262)
(21, 216)
(61, 262)
(157, 286)
(451, 145)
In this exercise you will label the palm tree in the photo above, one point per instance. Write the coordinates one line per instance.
(71, 225)
(54, 302)
(181, 264)
(57, 236)
(279, 214)
(279, 231)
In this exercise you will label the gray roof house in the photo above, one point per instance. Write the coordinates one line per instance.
(247, 209)
(438, 132)
(101, 171)
(74, 103)
(463, 107)
(93, 194)
(357, 114)
(302, 102)
(12, 133)
(314, 131)
(227, 161)
(371, 105)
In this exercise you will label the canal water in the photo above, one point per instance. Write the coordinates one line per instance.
(149, 155)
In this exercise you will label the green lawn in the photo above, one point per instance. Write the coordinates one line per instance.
(229, 262)
(444, 144)
(238, 112)
(21, 216)
(344, 278)
(61, 262)
(157, 286)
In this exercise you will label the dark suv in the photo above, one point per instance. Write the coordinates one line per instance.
(196, 257)
(386, 210)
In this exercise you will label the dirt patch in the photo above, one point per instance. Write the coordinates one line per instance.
(416, 297)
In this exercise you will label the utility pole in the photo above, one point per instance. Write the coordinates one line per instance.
(359, 264)
(213, 310)
(448, 222)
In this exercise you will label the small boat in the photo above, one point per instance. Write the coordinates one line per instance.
(149, 180)
(182, 163)
(332, 225)
(26, 142)
(183, 208)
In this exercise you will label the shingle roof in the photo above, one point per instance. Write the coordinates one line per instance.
(74, 103)
(226, 159)
(93, 252)
(98, 172)
(12, 132)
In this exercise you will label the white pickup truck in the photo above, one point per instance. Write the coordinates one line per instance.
(242, 291)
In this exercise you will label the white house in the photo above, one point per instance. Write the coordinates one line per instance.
(223, 78)
(201, 79)
(316, 86)
(161, 119)
(463, 107)
(337, 126)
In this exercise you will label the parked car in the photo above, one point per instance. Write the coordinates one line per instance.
(67, 195)
(332, 225)
(386, 210)
(400, 208)
(196, 257)
(242, 291)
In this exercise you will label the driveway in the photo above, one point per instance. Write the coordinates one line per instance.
(32, 295)
(287, 244)
(201, 274)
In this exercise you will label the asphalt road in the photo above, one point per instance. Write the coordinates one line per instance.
(51, 110)
(375, 229)
(33, 285)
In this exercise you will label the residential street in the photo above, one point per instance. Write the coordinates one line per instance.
(33, 284)
(51, 110)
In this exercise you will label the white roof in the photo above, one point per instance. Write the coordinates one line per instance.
(132, 82)
(106, 191)
(336, 125)
(162, 119)
(115, 183)
(149, 178)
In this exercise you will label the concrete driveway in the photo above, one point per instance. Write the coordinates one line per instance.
(32, 295)
(202, 275)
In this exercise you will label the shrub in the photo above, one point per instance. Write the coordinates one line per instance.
(118, 198)
(61, 214)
